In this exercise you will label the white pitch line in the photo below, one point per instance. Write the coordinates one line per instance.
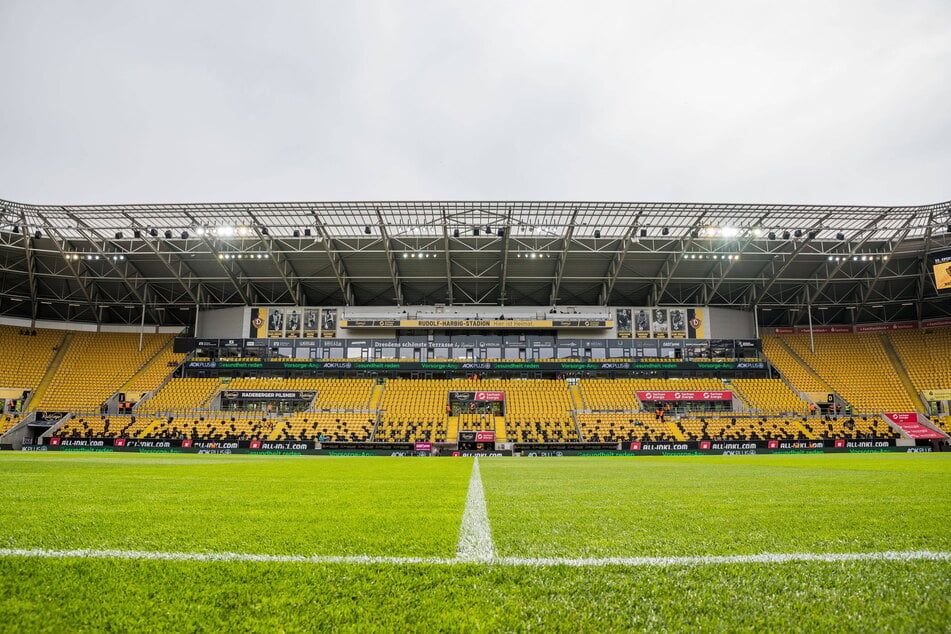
(475, 533)
(713, 560)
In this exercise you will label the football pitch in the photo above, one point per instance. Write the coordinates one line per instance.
(146, 542)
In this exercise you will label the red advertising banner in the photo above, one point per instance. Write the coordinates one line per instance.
(485, 436)
(910, 423)
(820, 330)
(490, 396)
(685, 396)
(904, 325)
(423, 446)
(901, 325)
(873, 328)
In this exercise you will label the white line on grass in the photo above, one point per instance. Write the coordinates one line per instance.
(764, 558)
(475, 534)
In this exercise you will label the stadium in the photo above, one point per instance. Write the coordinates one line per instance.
(476, 415)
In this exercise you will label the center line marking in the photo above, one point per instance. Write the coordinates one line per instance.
(475, 533)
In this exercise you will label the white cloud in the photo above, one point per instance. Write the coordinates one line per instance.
(817, 102)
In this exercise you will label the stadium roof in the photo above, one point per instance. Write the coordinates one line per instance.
(105, 262)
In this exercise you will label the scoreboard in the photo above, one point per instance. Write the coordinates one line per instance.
(940, 263)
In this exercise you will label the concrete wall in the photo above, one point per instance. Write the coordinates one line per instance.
(86, 326)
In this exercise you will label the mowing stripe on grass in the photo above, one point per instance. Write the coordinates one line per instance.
(764, 558)
(475, 534)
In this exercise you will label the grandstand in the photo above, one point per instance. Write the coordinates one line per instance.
(27, 354)
(623, 364)
(857, 367)
(402, 409)
(924, 355)
(91, 367)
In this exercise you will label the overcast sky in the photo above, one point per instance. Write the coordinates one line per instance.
(166, 101)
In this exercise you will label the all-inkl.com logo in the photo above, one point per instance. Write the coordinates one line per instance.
(705, 444)
(255, 444)
(186, 444)
(772, 444)
(840, 444)
(635, 446)
(118, 442)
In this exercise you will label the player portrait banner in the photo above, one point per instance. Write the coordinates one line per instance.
(311, 325)
(659, 323)
(678, 323)
(623, 317)
(292, 323)
(642, 323)
(275, 323)
(328, 323)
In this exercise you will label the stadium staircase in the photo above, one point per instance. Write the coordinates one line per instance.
(797, 424)
(739, 398)
(900, 371)
(55, 363)
(802, 395)
(452, 430)
(802, 362)
(376, 395)
(675, 431)
(147, 366)
(147, 432)
(577, 398)
(500, 429)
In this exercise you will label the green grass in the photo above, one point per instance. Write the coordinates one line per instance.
(248, 504)
(719, 505)
(412, 507)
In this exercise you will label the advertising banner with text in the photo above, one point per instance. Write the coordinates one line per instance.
(685, 396)
(911, 423)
